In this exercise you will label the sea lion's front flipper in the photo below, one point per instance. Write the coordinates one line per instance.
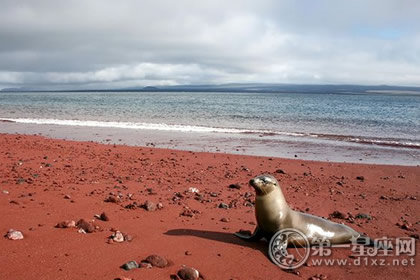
(257, 235)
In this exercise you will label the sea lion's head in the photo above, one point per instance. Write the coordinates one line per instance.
(264, 184)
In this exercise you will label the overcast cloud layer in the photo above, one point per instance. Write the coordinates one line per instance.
(108, 44)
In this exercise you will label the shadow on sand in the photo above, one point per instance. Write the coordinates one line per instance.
(225, 237)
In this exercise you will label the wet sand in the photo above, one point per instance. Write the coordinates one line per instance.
(243, 144)
(45, 181)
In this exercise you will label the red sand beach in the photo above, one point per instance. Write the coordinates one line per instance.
(44, 182)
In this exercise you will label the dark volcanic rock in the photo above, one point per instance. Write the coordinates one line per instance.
(338, 215)
(130, 265)
(363, 216)
(112, 199)
(223, 205)
(188, 273)
(145, 265)
(66, 224)
(157, 261)
(86, 226)
(104, 217)
(360, 178)
(235, 186)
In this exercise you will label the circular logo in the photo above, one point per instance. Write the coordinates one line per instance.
(294, 256)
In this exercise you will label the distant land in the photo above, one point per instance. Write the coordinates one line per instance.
(251, 87)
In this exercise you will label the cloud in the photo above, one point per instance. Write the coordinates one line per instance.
(124, 43)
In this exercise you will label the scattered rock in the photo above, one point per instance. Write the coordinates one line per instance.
(405, 226)
(66, 224)
(188, 273)
(225, 220)
(112, 199)
(149, 206)
(157, 261)
(104, 217)
(86, 226)
(188, 212)
(123, 278)
(67, 196)
(14, 234)
(193, 190)
(338, 215)
(128, 237)
(117, 236)
(235, 186)
(415, 236)
(20, 181)
(188, 253)
(130, 265)
(360, 178)
(280, 171)
(5, 192)
(363, 216)
(145, 265)
(223, 205)
(159, 206)
(318, 276)
(213, 194)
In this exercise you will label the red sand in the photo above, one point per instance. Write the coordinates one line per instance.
(39, 172)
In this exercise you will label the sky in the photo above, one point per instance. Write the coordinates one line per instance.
(107, 44)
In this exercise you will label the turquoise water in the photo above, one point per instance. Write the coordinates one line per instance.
(390, 120)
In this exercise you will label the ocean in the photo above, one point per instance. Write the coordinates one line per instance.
(271, 124)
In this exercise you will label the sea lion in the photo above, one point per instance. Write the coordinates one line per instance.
(274, 214)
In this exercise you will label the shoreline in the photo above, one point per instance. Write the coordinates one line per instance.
(242, 144)
(110, 142)
(52, 180)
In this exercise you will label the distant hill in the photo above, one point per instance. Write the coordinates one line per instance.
(290, 88)
(255, 87)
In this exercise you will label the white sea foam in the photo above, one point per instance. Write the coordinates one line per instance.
(150, 126)
(206, 129)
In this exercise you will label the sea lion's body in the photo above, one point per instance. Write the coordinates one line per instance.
(274, 214)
